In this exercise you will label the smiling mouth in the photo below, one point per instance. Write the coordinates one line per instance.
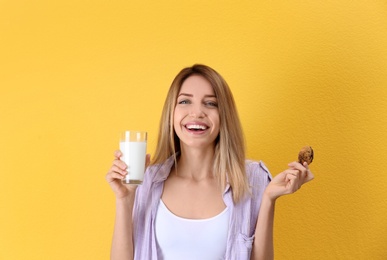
(196, 128)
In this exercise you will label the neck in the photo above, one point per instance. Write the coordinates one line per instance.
(195, 163)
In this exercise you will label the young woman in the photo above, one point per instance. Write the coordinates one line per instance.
(201, 198)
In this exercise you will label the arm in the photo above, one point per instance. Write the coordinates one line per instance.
(263, 247)
(122, 243)
(286, 182)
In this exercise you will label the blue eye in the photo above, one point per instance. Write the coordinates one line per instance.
(212, 104)
(184, 101)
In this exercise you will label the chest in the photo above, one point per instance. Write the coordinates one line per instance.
(193, 200)
(181, 238)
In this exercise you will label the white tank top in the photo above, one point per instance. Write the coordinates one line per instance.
(190, 239)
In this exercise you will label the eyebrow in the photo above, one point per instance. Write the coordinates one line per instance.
(190, 95)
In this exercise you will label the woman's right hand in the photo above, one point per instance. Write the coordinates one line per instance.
(115, 176)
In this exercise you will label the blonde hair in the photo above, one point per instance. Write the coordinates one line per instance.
(229, 162)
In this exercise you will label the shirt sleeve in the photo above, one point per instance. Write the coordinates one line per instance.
(259, 177)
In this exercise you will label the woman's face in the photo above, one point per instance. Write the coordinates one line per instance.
(196, 117)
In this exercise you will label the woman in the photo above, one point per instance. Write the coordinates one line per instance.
(200, 199)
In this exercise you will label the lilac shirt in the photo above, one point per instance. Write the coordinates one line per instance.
(243, 216)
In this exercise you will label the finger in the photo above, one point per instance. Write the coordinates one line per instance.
(305, 164)
(297, 176)
(117, 154)
(120, 164)
(112, 176)
(309, 175)
(293, 184)
(296, 165)
(291, 177)
(118, 170)
(293, 172)
(301, 167)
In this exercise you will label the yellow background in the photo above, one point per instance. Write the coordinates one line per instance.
(73, 74)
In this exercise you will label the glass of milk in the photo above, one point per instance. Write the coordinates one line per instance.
(133, 148)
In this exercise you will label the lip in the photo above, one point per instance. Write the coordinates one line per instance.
(196, 132)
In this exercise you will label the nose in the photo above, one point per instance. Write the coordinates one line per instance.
(197, 112)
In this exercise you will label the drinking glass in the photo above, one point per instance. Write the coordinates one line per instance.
(133, 148)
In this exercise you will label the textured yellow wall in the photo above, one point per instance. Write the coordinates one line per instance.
(73, 74)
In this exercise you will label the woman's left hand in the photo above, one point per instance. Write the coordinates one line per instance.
(289, 181)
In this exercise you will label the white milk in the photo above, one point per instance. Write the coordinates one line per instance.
(134, 154)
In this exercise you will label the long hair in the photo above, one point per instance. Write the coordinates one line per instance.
(229, 157)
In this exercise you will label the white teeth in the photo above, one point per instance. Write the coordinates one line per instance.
(197, 127)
